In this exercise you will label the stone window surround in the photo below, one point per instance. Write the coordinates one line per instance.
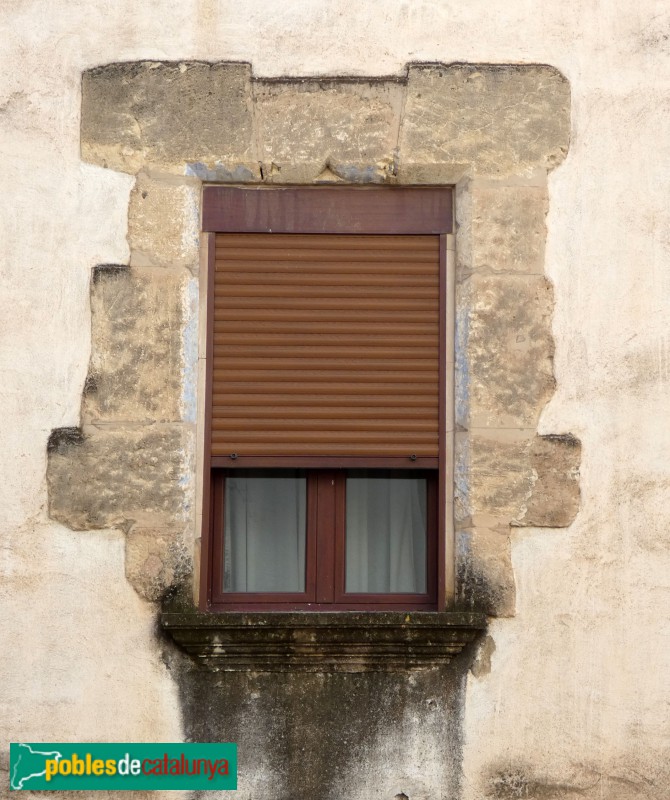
(492, 131)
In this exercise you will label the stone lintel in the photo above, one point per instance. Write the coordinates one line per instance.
(215, 121)
(166, 113)
(501, 118)
(327, 131)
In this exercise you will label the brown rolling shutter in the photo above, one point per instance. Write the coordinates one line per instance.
(325, 345)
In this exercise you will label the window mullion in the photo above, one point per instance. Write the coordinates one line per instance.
(311, 577)
(325, 536)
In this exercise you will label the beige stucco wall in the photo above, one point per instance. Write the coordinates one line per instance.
(575, 703)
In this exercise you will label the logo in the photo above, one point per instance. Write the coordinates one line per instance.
(40, 767)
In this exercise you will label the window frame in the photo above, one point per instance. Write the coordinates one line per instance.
(328, 210)
(325, 562)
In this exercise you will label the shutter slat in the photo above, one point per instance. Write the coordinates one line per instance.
(295, 411)
(381, 389)
(306, 436)
(383, 266)
(256, 343)
(338, 377)
(274, 315)
(348, 403)
(314, 365)
(320, 330)
(302, 351)
(345, 425)
(316, 277)
(325, 345)
(276, 303)
(230, 294)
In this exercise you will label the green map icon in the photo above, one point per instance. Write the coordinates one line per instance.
(28, 764)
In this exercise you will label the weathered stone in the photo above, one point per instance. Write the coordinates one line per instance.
(164, 222)
(136, 358)
(221, 173)
(481, 665)
(156, 559)
(501, 228)
(504, 350)
(347, 128)
(625, 779)
(112, 477)
(372, 727)
(164, 114)
(500, 126)
(504, 478)
(555, 497)
(522, 780)
(61, 439)
(484, 574)
(340, 641)
(499, 119)
(416, 174)
(494, 478)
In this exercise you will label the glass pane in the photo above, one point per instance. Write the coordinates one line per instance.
(265, 531)
(386, 532)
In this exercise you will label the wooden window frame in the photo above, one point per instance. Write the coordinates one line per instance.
(325, 554)
(330, 210)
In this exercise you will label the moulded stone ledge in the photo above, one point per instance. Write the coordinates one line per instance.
(322, 641)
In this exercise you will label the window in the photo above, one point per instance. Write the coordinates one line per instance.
(349, 537)
(325, 418)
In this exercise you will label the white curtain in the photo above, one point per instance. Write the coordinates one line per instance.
(265, 525)
(386, 534)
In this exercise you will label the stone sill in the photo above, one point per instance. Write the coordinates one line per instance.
(339, 641)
